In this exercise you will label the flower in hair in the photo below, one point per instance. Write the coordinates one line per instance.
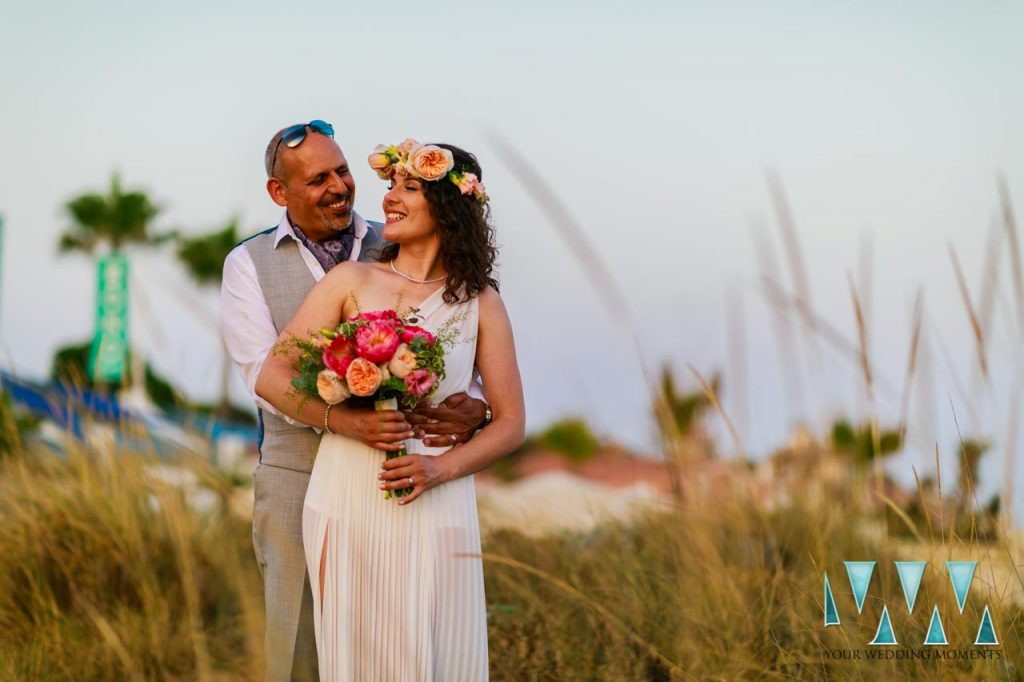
(380, 161)
(469, 183)
(407, 146)
(423, 162)
(430, 162)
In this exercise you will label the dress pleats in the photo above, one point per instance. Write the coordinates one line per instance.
(400, 601)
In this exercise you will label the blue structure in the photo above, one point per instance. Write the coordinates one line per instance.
(66, 408)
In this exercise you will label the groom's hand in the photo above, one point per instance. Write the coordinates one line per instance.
(451, 422)
(384, 430)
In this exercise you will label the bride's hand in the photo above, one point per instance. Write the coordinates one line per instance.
(421, 472)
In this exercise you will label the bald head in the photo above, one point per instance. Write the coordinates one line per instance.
(269, 160)
(313, 182)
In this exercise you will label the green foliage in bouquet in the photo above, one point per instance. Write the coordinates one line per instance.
(308, 363)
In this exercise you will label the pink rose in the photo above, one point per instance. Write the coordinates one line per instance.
(376, 341)
(419, 382)
(431, 162)
(411, 331)
(363, 377)
(403, 362)
(331, 387)
(338, 354)
(468, 182)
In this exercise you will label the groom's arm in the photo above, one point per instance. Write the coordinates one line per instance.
(246, 324)
(460, 415)
(383, 430)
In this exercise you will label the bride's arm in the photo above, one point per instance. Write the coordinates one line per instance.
(503, 389)
(322, 309)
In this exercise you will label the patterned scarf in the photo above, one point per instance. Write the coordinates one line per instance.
(331, 251)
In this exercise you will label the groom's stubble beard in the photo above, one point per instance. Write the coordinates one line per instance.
(336, 223)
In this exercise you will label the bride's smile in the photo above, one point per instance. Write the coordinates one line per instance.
(407, 212)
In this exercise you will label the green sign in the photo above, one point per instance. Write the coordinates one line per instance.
(108, 356)
(1, 257)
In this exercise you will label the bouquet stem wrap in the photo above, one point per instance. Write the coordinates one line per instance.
(380, 406)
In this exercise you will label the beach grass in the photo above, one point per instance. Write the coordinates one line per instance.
(116, 566)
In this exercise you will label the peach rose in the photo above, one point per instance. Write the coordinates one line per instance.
(407, 146)
(380, 161)
(403, 362)
(431, 162)
(363, 377)
(331, 387)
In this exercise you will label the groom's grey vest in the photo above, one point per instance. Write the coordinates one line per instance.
(285, 281)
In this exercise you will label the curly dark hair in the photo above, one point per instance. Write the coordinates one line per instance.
(468, 251)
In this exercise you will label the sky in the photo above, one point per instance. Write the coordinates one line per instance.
(656, 124)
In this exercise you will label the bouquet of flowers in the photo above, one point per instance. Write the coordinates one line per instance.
(376, 356)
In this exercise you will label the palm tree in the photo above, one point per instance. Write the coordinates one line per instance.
(113, 220)
(678, 416)
(970, 458)
(682, 411)
(203, 256)
(858, 442)
(116, 219)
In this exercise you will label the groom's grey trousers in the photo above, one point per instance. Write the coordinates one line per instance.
(286, 458)
(287, 453)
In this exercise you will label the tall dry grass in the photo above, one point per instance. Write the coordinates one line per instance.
(729, 591)
(723, 592)
(110, 572)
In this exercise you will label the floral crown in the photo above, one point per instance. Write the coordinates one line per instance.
(424, 162)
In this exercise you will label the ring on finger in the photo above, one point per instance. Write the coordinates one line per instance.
(411, 482)
(453, 437)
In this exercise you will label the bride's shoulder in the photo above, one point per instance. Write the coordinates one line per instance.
(350, 273)
(490, 301)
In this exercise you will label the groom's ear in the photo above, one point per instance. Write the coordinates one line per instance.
(276, 190)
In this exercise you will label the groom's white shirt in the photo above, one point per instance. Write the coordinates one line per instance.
(246, 324)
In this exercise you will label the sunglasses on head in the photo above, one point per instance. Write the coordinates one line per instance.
(293, 136)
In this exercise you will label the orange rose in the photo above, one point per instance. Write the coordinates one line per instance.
(431, 162)
(363, 377)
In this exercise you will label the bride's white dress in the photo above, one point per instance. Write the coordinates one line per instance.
(399, 602)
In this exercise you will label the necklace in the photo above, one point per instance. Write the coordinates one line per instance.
(413, 279)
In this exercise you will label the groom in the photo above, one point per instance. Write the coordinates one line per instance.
(266, 278)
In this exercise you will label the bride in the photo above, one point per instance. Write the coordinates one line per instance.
(398, 584)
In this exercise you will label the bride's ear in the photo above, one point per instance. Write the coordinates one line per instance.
(276, 190)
